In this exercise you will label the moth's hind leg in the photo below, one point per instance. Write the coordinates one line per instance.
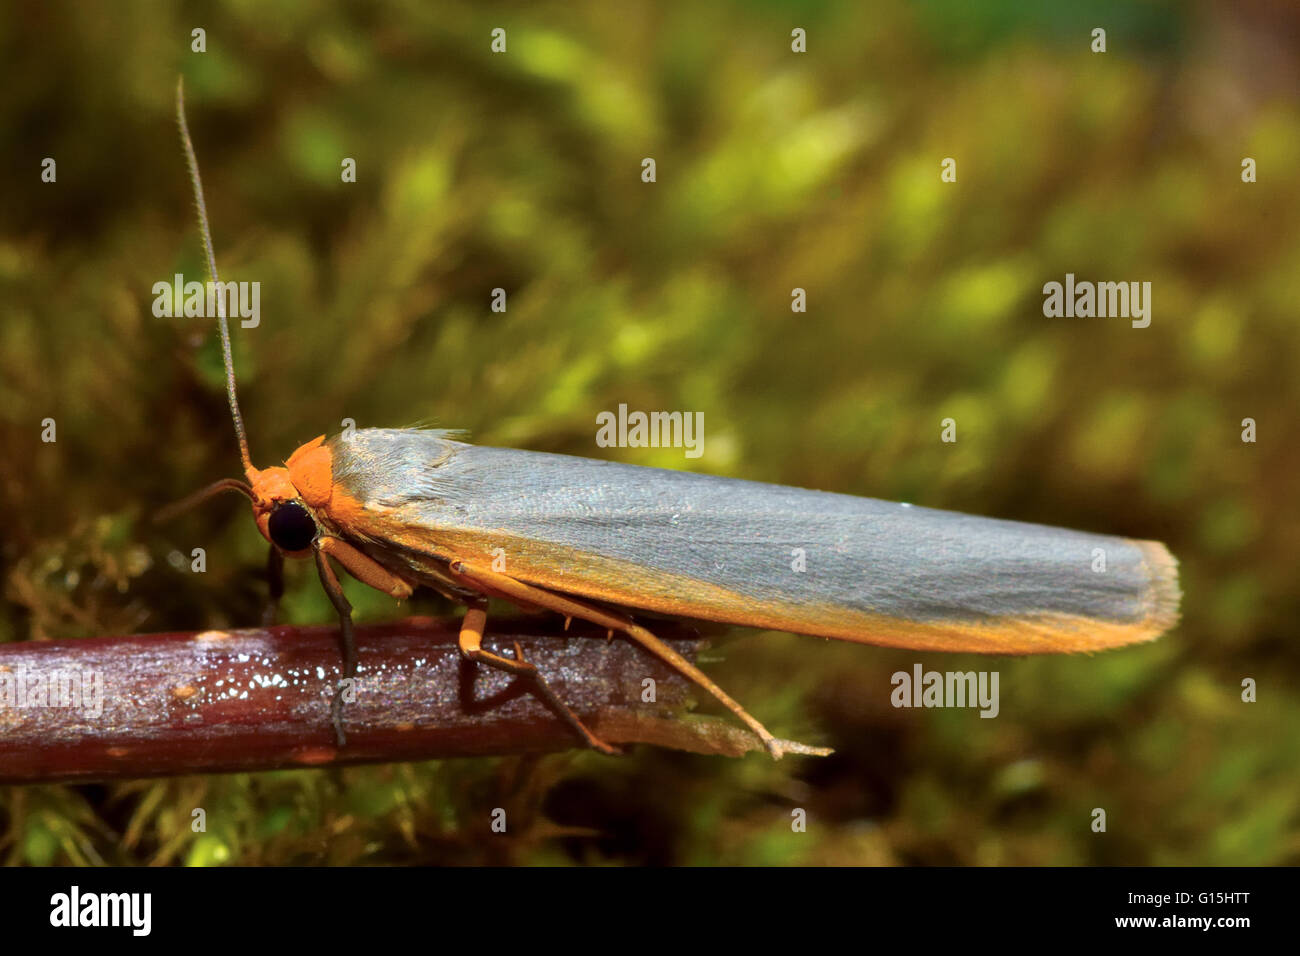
(471, 641)
(513, 590)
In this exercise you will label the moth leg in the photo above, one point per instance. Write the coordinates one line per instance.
(471, 639)
(511, 589)
(368, 571)
(347, 642)
(275, 585)
(365, 568)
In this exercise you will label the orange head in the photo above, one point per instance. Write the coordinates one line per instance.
(285, 498)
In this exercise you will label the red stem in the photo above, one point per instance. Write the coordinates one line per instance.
(259, 699)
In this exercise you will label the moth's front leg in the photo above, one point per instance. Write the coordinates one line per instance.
(368, 571)
(274, 585)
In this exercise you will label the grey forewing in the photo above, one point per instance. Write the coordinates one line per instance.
(860, 553)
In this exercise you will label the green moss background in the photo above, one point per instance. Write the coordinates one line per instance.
(776, 170)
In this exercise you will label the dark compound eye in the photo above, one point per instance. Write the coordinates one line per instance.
(291, 527)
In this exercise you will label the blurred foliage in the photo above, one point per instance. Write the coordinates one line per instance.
(775, 170)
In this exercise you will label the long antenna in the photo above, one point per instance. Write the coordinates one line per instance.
(193, 162)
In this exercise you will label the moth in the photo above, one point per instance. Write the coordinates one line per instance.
(600, 541)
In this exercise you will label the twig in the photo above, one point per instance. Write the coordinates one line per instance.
(217, 701)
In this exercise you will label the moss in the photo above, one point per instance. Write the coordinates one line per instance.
(775, 170)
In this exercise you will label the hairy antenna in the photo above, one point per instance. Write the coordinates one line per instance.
(193, 162)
